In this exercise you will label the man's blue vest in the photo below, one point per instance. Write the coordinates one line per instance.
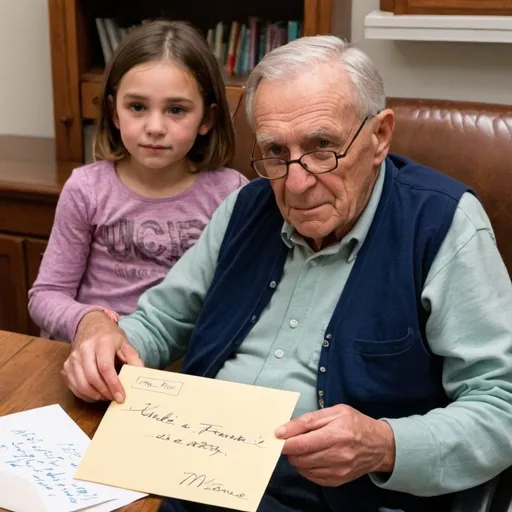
(375, 356)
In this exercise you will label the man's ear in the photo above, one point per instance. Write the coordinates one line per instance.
(383, 131)
(209, 120)
(113, 111)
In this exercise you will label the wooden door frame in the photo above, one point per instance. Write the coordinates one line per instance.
(317, 17)
(65, 26)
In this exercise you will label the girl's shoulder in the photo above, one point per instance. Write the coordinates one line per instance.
(92, 174)
(225, 177)
(87, 185)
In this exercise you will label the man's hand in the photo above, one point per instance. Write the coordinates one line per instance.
(89, 370)
(338, 444)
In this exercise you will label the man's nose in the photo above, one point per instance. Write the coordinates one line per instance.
(298, 179)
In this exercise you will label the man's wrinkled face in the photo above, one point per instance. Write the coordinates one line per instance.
(315, 111)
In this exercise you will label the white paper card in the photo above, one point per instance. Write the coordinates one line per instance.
(40, 450)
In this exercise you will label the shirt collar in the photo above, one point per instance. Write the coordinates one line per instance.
(354, 239)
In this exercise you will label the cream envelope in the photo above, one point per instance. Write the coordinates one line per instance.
(193, 438)
(39, 452)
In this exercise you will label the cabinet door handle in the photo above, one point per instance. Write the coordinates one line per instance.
(96, 100)
(66, 120)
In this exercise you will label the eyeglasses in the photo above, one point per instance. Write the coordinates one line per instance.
(314, 162)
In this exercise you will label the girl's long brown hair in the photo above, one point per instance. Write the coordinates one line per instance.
(182, 43)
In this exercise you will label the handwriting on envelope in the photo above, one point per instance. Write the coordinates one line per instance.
(191, 438)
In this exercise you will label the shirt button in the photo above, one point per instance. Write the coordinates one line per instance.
(254, 318)
(313, 263)
(272, 284)
(328, 336)
(294, 323)
(325, 343)
(321, 403)
(323, 369)
(320, 392)
(279, 353)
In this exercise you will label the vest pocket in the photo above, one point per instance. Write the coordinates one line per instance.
(384, 348)
(388, 376)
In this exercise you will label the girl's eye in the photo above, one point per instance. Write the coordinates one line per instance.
(177, 110)
(137, 107)
(324, 144)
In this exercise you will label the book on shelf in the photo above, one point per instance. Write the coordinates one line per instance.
(106, 48)
(246, 44)
(238, 46)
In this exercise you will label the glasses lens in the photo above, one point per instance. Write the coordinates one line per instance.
(271, 168)
(319, 161)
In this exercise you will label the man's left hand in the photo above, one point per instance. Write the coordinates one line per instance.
(338, 444)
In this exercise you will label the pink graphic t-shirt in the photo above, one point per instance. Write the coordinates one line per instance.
(109, 244)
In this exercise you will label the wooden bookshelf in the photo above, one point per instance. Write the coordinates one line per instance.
(77, 61)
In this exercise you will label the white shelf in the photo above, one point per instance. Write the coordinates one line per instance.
(433, 27)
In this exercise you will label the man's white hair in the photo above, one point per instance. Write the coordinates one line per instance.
(296, 57)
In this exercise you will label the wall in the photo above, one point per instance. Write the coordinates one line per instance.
(26, 103)
(444, 70)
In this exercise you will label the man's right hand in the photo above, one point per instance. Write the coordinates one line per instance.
(89, 371)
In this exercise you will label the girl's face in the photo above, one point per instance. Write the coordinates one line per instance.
(159, 111)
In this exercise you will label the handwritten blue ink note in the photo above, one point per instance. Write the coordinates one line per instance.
(40, 451)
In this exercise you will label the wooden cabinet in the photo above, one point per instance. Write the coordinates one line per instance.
(13, 285)
(470, 7)
(77, 66)
(30, 183)
(91, 92)
(19, 264)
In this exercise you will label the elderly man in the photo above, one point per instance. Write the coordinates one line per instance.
(368, 283)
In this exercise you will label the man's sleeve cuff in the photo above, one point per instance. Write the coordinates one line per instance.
(416, 460)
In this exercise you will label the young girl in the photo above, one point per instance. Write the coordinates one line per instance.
(163, 137)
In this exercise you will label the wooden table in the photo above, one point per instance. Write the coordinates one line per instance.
(30, 377)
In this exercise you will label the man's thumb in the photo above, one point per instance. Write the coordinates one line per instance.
(129, 355)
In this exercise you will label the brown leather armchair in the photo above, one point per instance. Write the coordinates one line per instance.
(471, 142)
